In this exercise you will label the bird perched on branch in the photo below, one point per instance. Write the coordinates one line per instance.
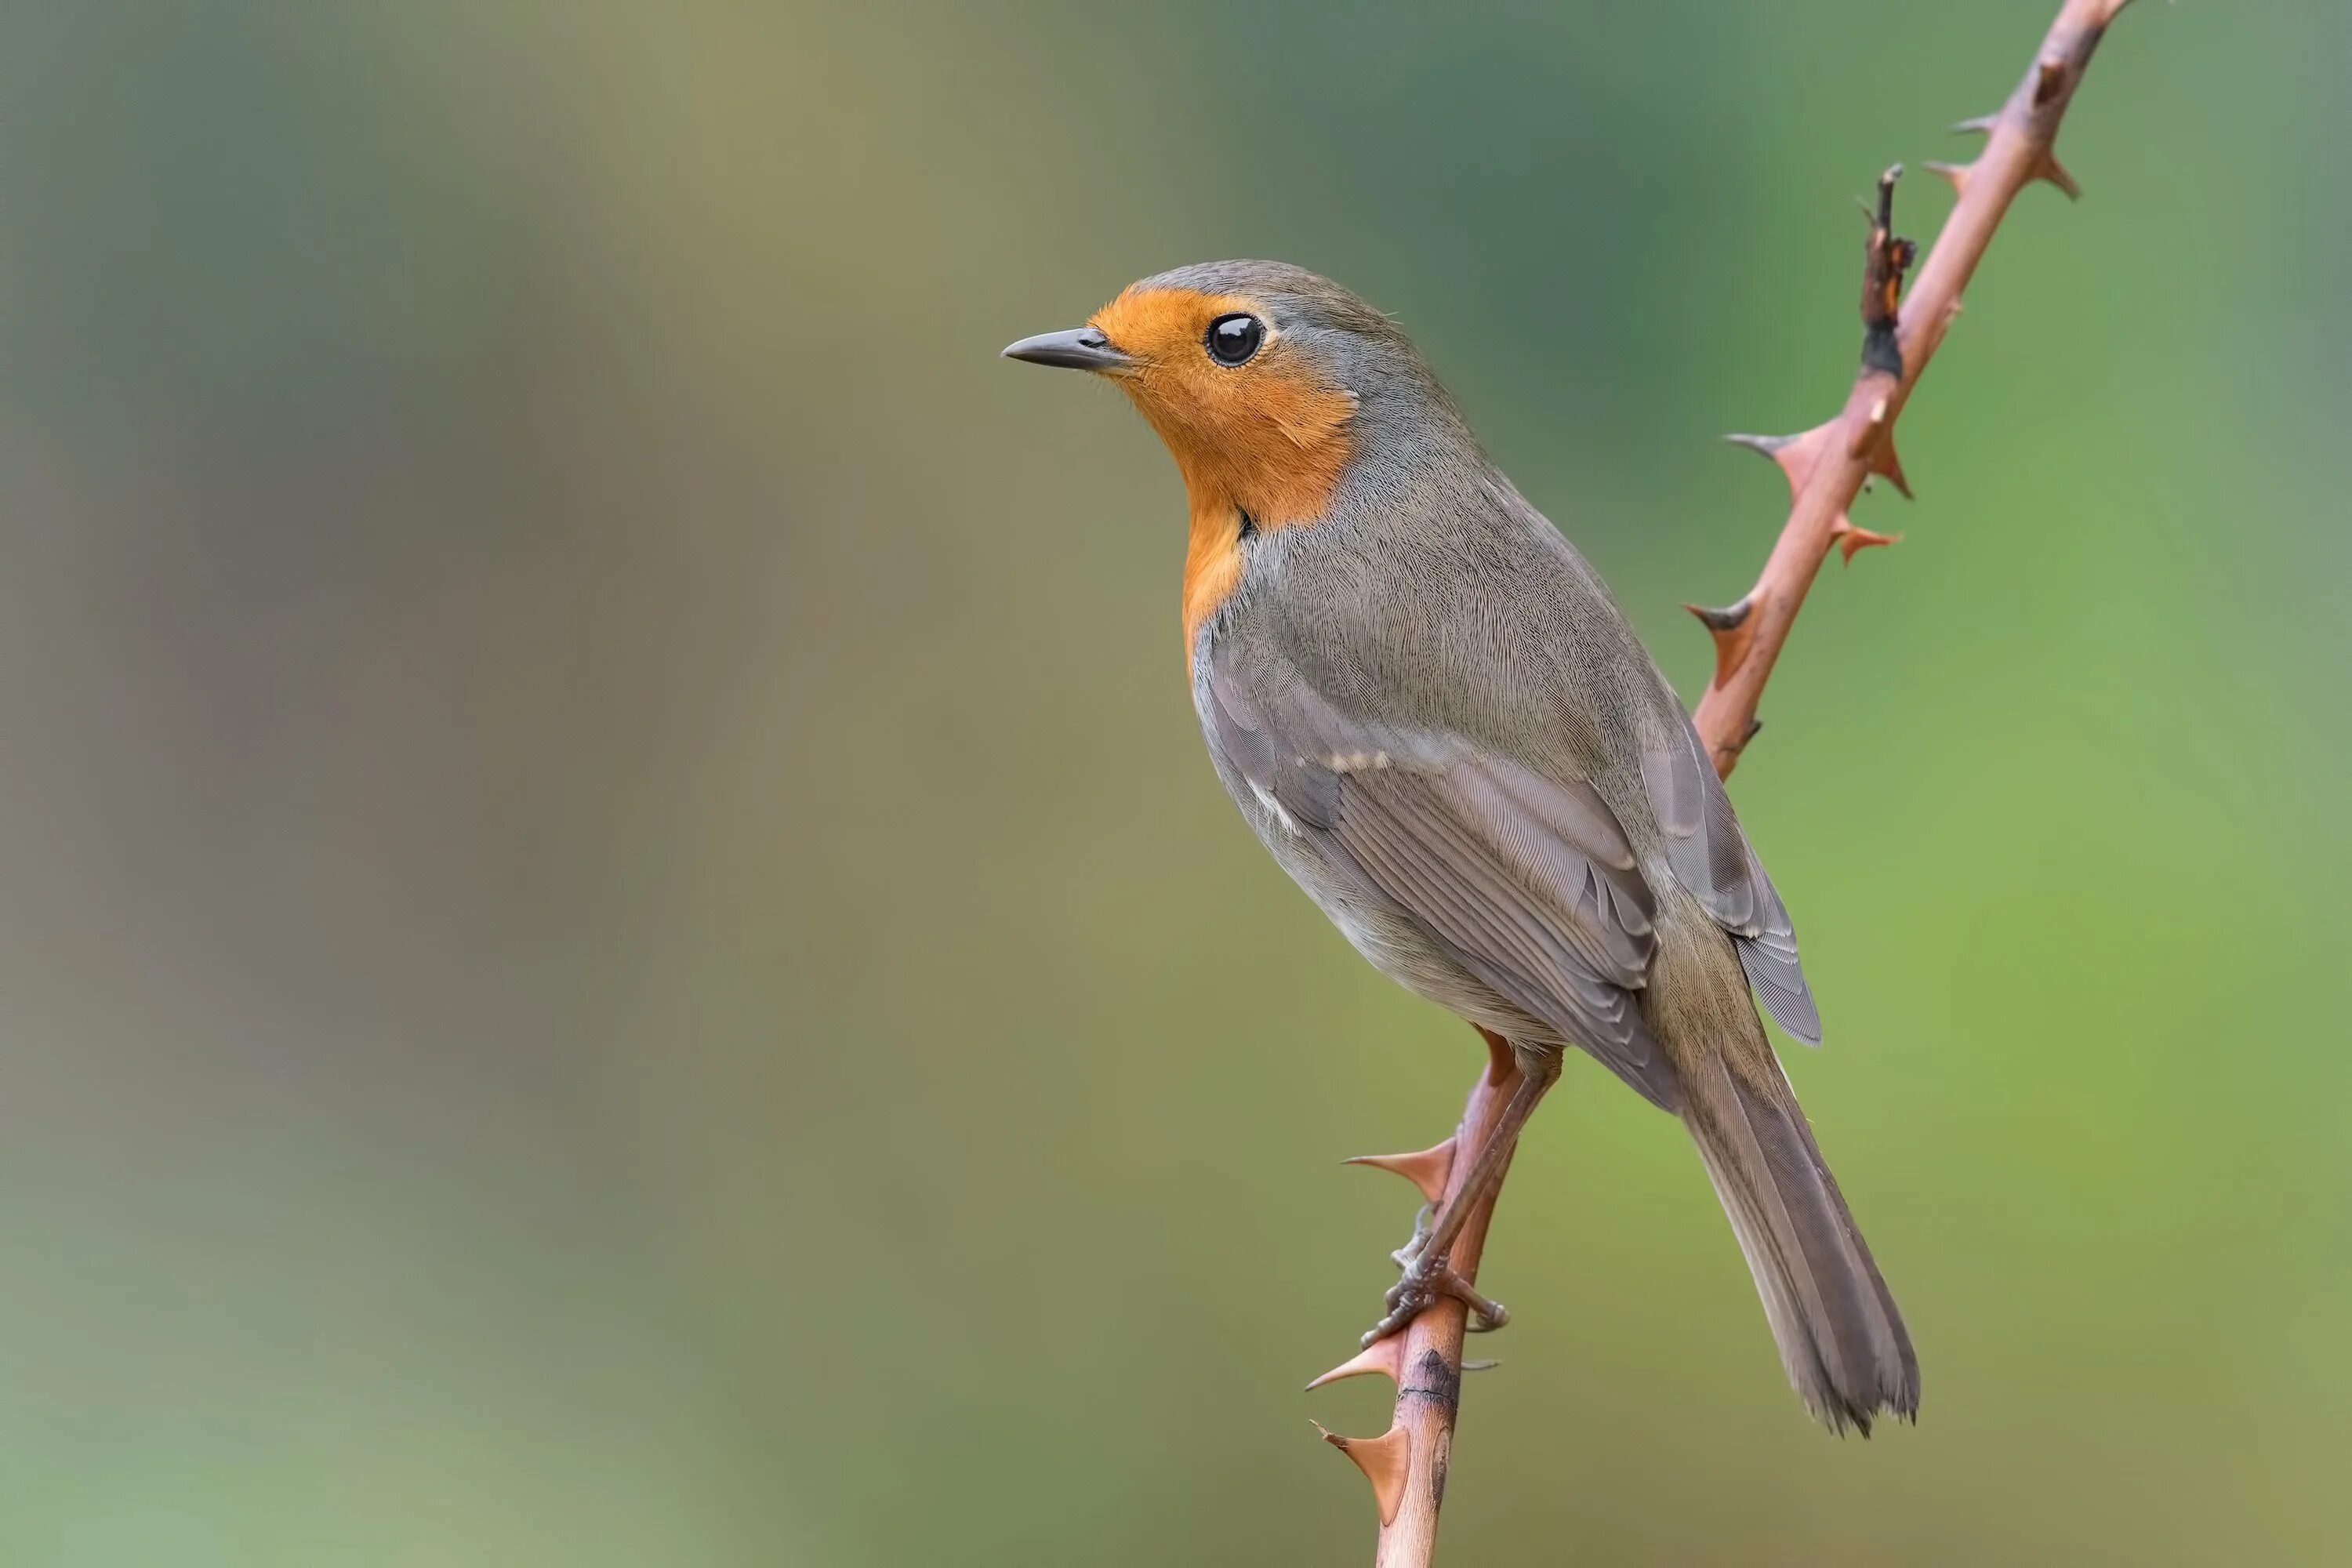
(1439, 721)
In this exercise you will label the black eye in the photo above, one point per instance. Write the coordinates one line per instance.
(1232, 339)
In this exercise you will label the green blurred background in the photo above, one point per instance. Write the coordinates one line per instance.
(619, 949)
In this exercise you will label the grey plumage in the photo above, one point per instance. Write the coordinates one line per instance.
(1442, 725)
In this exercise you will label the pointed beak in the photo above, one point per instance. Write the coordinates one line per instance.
(1080, 347)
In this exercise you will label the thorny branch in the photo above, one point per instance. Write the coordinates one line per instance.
(1826, 467)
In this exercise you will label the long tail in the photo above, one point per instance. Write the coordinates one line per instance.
(1841, 1337)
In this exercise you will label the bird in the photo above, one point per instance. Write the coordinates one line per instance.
(1439, 721)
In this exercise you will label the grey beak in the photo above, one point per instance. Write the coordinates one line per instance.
(1080, 347)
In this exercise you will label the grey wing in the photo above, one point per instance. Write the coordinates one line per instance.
(1712, 858)
(1526, 882)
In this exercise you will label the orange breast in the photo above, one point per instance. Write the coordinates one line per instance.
(1268, 438)
(1212, 565)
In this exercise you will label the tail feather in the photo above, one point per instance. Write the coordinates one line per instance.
(1841, 1338)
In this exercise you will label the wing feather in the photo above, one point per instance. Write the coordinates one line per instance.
(1527, 882)
(1712, 858)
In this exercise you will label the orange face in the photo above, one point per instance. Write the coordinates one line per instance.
(1267, 438)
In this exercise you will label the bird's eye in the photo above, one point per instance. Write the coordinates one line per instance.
(1232, 339)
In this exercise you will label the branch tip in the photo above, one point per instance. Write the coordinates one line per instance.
(1426, 1168)
(1383, 1459)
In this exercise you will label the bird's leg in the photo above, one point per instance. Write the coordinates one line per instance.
(1428, 1275)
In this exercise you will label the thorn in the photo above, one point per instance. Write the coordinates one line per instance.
(1980, 126)
(1956, 174)
(1383, 1459)
(1385, 1356)
(1851, 537)
(1768, 445)
(1795, 453)
(2054, 171)
(1426, 1169)
(1728, 627)
(1727, 619)
(2051, 79)
(1884, 462)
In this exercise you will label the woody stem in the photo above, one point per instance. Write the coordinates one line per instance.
(1827, 467)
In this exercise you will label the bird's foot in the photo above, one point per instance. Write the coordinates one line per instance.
(1425, 1282)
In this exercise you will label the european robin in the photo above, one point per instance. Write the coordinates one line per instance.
(1438, 720)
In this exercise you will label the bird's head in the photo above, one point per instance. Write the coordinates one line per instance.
(1268, 383)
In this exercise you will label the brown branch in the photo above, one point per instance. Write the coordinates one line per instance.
(1407, 1464)
(1826, 467)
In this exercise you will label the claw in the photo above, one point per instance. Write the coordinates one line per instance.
(1423, 1284)
(1426, 1169)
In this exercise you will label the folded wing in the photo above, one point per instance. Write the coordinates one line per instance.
(1526, 881)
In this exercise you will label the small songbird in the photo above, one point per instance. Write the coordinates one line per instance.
(1440, 724)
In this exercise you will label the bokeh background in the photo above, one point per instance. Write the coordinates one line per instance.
(616, 947)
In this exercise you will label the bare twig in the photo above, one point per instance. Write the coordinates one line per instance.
(1826, 467)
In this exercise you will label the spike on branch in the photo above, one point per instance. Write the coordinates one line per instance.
(1426, 1168)
(1730, 629)
(1385, 1461)
(1794, 454)
(1980, 126)
(1884, 463)
(2051, 170)
(1956, 174)
(1384, 1356)
(1876, 443)
(1852, 537)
